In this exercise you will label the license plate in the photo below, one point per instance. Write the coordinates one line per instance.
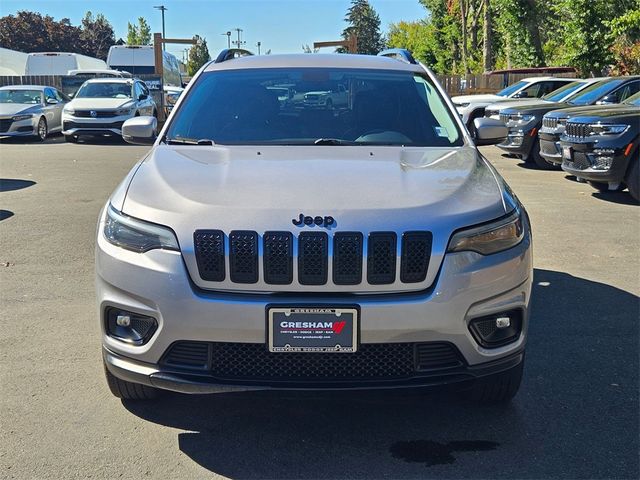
(566, 153)
(312, 329)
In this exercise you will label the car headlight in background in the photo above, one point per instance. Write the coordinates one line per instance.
(461, 105)
(68, 110)
(607, 129)
(125, 111)
(137, 235)
(17, 118)
(490, 238)
(520, 119)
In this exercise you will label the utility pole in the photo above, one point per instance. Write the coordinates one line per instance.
(239, 43)
(163, 9)
(258, 45)
(228, 35)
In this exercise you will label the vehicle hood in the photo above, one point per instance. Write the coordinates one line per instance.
(623, 114)
(520, 103)
(7, 109)
(483, 98)
(99, 103)
(318, 92)
(573, 111)
(364, 189)
(538, 108)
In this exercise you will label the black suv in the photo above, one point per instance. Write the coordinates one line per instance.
(526, 121)
(601, 146)
(613, 91)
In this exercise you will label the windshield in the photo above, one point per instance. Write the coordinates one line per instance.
(322, 106)
(633, 100)
(105, 90)
(595, 92)
(512, 89)
(562, 92)
(21, 96)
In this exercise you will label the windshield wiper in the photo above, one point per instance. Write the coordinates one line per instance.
(330, 141)
(189, 141)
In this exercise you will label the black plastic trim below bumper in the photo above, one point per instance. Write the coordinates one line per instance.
(154, 376)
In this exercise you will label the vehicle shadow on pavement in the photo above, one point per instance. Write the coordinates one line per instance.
(11, 184)
(576, 414)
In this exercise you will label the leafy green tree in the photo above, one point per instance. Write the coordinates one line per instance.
(364, 23)
(32, 32)
(139, 34)
(198, 55)
(417, 37)
(96, 35)
(624, 37)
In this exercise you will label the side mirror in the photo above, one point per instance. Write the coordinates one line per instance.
(140, 130)
(143, 96)
(52, 101)
(522, 94)
(490, 131)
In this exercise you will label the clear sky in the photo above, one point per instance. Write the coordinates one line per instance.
(280, 25)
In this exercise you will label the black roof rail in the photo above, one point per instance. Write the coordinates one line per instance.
(231, 53)
(401, 54)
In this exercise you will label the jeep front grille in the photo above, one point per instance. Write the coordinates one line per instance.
(312, 253)
(549, 122)
(577, 130)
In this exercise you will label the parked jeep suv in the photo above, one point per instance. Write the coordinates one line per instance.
(262, 245)
(601, 146)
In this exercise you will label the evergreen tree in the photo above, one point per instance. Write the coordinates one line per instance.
(97, 35)
(364, 23)
(198, 55)
(139, 34)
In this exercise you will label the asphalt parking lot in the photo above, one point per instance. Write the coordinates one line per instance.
(576, 416)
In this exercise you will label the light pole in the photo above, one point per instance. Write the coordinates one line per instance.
(228, 35)
(258, 45)
(163, 9)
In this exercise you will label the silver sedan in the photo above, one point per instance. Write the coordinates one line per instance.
(30, 111)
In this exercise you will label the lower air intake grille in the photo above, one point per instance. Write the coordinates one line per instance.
(312, 258)
(209, 247)
(416, 252)
(253, 362)
(381, 261)
(243, 256)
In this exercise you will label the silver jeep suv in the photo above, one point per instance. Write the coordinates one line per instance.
(266, 244)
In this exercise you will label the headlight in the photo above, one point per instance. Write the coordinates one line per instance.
(607, 129)
(461, 105)
(562, 121)
(68, 110)
(17, 118)
(519, 119)
(136, 235)
(124, 111)
(490, 238)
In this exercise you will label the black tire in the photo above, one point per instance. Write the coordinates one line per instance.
(71, 139)
(603, 187)
(128, 390)
(498, 388)
(633, 178)
(536, 158)
(42, 130)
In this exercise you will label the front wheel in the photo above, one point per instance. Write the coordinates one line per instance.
(42, 130)
(498, 388)
(633, 179)
(128, 390)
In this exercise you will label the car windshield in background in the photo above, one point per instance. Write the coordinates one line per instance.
(562, 92)
(596, 91)
(21, 96)
(105, 90)
(512, 88)
(321, 106)
(633, 100)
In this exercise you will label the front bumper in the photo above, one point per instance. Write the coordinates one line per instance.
(72, 125)
(550, 148)
(20, 128)
(587, 162)
(157, 284)
(518, 142)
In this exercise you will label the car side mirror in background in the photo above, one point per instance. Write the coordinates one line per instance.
(489, 131)
(143, 96)
(52, 101)
(521, 95)
(140, 130)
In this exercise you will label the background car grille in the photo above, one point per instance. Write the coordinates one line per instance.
(312, 257)
(577, 130)
(99, 114)
(549, 122)
(578, 161)
(93, 126)
(5, 124)
(504, 117)
(253, 361)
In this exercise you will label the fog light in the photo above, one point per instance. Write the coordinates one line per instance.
(497, 330)
(129, 327)
(601, 158)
